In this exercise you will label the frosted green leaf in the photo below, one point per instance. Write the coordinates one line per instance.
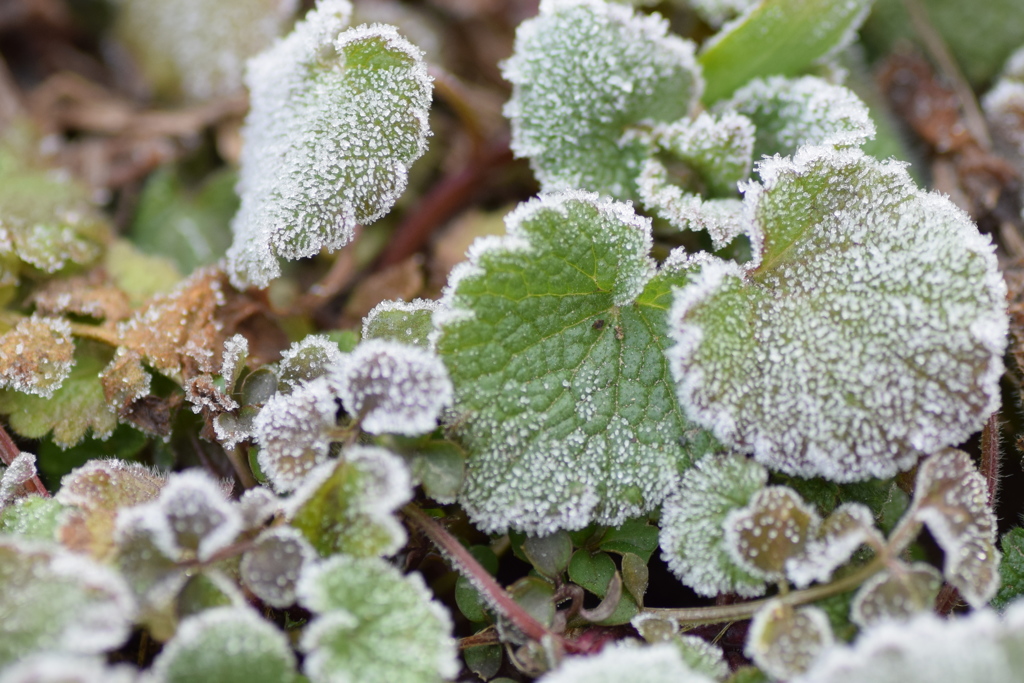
(951, 499)
(788, 113)
(294, 433)
(198, 48)
(781, 37)
(784, 641)
(21, 469)
(272, 566)
(775, 526)
(408, 323)
(315, 356)
(867, 331)
(703, 657)
(927, 649)
(58, 601)
(60, 667)
(233, 357)
(716, 12)
(722, 219)
(32, 517)
(373, 625)
(228, 645)
(554, 337)
(1011, 568)
(335, 123)
(692, 519)
(37, 355)
(257, 506)
(718, 149)
(585, 74)
(394, 388)
(75, 408)
(348, 505)
(899, 592)
(440, 468)
(624, 661)
(848, 527)
(47, 220)
(197, 516)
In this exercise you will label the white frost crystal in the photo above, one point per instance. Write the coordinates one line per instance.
(394, 388)
(927, 649)
(21, 469)
(336, 121)
(584, 73)
(788, 113)
(692, 533)
(868, 330)
(627, 661)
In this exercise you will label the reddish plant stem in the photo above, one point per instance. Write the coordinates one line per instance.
(991, 459)
(467, 564)
(447, 197)
(947, 600)
(8, 452)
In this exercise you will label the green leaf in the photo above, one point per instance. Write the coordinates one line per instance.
(693, 519)
(867, 332)
(190, 227)
(585, 75)
(1011, 568)
(635, 536)
(62, 667)
(440, 467)
(550, 554)
(373, 625)
(483, 660)
(469, 600)
(315, 356)
(635, 576)
(788, 113)
(46, 218)
(592, 571)
(784, 641)
(32, 517)
(335, 122)
(58, 601)
(407, 323)
(781, 37)
(718, 149)
(77, 407)
(348, 505)
(227, 644)
(554, 341)
(536, 596)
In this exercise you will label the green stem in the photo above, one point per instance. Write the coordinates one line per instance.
(695, 616)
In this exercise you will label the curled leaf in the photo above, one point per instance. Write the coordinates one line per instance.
(899, 592)
(775, 526)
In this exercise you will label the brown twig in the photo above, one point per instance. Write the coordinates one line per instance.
(444, 199)
(482, 580)
(991, 461)
(8, 452)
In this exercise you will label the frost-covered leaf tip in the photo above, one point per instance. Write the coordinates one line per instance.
(394, 388)
(868, 330)
(553, 336)
(408, 323)
(37, 355)
(584, 72)
(373, 625)
(335, 123)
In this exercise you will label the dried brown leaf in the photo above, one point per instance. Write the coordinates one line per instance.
(36, 356)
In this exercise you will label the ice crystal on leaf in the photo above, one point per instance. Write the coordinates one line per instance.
(951, 499)
(584, 74)
(348, 505)
(32, 517)
(554, 338)
(335, 123)
(232, 359)
(784, 641)
(407, 323)
(37, 355)
(315, 356)
(661, 663)
(21, 469)
(373, 625)
(53, 600)
(773, 527)
(722, 219)
(718, 149)
(692, 524)
(898, 592)
(293, 432)
(867, 331)
(848, 527)
(272, 566)
(394, 388)
(195, 47)
(788, 113)
(228, 645)
(928, 649)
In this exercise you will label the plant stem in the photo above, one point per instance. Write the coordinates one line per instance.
(696, 616)
(100, 334)
(990, 457)
(482, 580)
